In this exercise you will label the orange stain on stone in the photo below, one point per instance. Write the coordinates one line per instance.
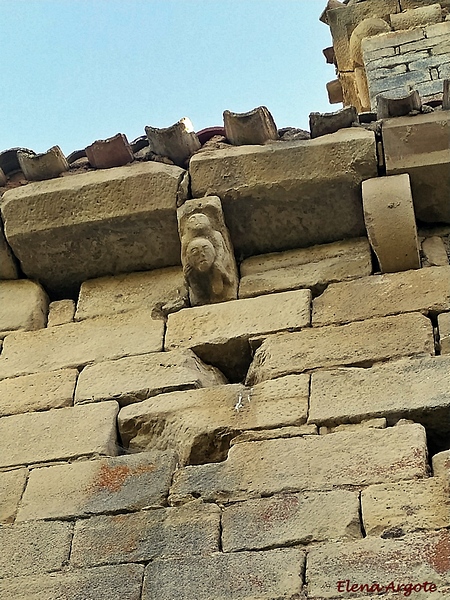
(112, 478)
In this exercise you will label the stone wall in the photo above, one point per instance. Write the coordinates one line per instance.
(291, 443)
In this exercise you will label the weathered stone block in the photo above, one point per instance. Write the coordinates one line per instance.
(434, 251)
(58, 434)
(70, 229)
(23, 306)
(256, 469)
(313, 267)
(441, 464)
(151, 291)
(77, 344)
(444, 332)
(37, 392)
(415, 389)
(60, 312)
(410, 560)
(244, 575)
(258, 435)
(8, 268)
(200, 424)
(107, 485)
(357, 344)
(423, 290)
(219, 333)
(34, 548)
(125, 580)
(136, 537)
(417, 17)
(399, 508)
(420, 146)
(136, 378)
(12, 484)
(283, 196)
(291, 519)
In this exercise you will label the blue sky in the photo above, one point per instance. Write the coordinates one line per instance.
(74, 71)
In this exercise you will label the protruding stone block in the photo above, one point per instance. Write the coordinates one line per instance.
(256, 469)
(37, 392)
(291, 519)
(410, 389)
(125, 580)
(219, 333)
(159, 292)
(12, 484)
(77, 344)
(418, 17)
(200, 424)
(178, 142)
(402, 565)
(391, 224)
(420, 146)
(37, 167)
(137, 537)
(29, 548)
(254, 127)
(58, 434)
(274, 574)
(422, 290)
(283, 196)
(112, 152)
(70, 229)
(444, 332)
(334, 90)
(325, 123)
(394, 509)
(60, 312)
(23, 306)
(207, 254)
(8, 267)
(136, 378)
(312, 267)
(357, 344)
(107, 485)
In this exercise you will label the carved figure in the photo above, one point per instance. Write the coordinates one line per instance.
(207, 263)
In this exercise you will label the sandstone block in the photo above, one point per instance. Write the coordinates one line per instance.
(417, 17)
(343, 22)
(92, 487)
(256, 469)
(390, 222)
(415, 389)
(444, 332)
(60, 312)
(441, 464)
(136, 537)
(420, 147)
(275, 574)
(258, 435)
(77, 344)
(125, 580)
(357, 344)
(412, 559)
(12, 484)
(29, 548)
(151, 291)
(136, 378)
(37, 392)
(200, 424)
(291, 519)
(313, 268)
(8, 268)
(23, 306)
(423, 290)
(58, 434)
(398, 508)
(219, 333)
(283, 196)
(94, 224)
(434, 251)
(408, 4)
